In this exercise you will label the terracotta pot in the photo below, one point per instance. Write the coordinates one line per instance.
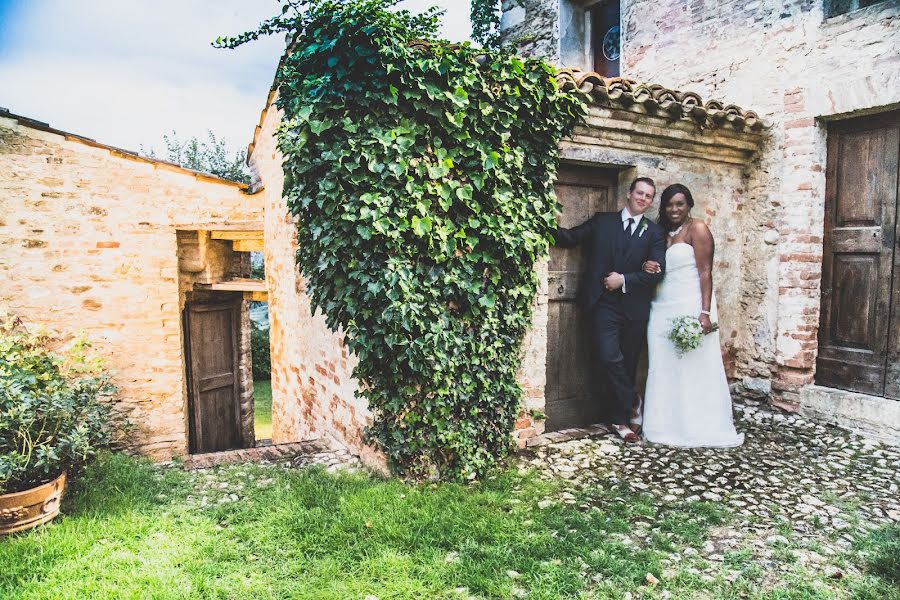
(23, 510)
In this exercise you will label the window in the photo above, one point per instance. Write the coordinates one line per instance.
(606, 37)
(840, 7)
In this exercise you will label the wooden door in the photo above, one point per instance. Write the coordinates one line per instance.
(574, 388)
(213, 377)
(859, 268)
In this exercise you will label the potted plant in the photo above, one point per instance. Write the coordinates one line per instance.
(52, 421)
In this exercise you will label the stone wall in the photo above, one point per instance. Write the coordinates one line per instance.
(798, 69)
(533, 26)
(88, 242)
(313, 391)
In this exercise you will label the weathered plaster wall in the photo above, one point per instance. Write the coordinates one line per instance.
(88, 242)
(797, 69)
(789, 63)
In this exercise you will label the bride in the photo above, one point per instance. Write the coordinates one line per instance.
(687, 401)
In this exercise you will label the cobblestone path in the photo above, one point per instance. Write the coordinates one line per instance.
(798, 491)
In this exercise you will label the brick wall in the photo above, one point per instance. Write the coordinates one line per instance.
(786, 61)
(313, 392)
(789, 63)
(88, 242)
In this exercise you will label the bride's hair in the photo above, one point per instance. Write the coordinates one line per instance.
(667, 195)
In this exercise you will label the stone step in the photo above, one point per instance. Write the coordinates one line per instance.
(270, 452)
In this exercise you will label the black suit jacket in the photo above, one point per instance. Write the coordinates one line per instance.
(608, 249)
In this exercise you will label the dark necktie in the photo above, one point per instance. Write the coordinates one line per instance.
(628, 230)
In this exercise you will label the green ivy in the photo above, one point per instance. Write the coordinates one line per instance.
(422, 176)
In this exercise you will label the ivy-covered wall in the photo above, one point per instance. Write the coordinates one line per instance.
(420, 175)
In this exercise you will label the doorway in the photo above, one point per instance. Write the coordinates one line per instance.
(213, 365)
(574, 387)
(859, 330)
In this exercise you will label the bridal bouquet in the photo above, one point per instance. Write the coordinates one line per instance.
(687, 333)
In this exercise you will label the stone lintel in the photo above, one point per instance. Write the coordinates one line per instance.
(629, 138)
(575, 151)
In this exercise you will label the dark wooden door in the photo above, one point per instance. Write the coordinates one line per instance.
(213, 378)
(574, 388)
(859, 268)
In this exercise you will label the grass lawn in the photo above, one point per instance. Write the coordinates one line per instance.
(262, 409)
(134, 530)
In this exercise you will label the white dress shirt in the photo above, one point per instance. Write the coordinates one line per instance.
(627, 215)
(637, 221)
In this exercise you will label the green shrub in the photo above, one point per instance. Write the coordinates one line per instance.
(51, 416)
(259, 349)
(422, 178)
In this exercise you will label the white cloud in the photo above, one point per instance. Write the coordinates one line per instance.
(126, 72)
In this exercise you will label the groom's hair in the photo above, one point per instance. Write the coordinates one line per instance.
(646, 180)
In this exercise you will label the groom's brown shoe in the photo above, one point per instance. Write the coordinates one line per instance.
(625, 433)
(636, 419)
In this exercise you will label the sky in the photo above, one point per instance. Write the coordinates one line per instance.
(125, 72)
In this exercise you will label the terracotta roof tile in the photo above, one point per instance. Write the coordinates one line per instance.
(656, 99)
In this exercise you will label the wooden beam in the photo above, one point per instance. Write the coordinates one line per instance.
(247, 245)
(221, 234)
(257, 296)
(221, 226)
(235, 285)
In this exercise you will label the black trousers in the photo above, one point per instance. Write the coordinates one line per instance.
(617, 347)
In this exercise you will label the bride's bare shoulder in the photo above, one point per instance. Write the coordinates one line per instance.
(699, 228)
(699, 234)
(698, 225)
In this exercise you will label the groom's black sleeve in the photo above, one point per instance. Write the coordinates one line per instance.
(643, 280)
(569, 238)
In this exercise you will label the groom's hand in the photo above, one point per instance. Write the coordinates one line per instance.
(614, 281)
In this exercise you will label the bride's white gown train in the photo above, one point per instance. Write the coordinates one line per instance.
(687, 402)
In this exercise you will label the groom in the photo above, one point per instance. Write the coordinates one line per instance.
(615, 292)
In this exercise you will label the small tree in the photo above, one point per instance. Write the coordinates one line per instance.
(485, 18)
(212, 156)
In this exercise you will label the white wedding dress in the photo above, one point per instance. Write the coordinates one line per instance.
(687, 402)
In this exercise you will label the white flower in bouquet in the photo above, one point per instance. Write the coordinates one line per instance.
(687, 333)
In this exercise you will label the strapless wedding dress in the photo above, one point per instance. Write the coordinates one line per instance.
(687, 402)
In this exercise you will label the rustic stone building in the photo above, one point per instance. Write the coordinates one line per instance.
(816, 292)
(124, 248)
(760, 178)
(798, 180)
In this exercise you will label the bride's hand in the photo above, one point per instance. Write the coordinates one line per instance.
(705, 323)
(650, 266)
